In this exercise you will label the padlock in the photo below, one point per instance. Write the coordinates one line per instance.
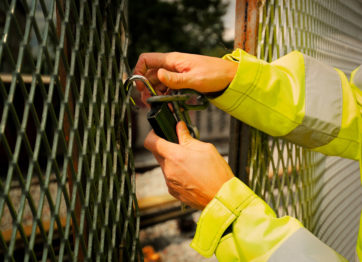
(163, 121)
(160, 117)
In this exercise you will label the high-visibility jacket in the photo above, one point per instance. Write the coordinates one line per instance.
(304, 101)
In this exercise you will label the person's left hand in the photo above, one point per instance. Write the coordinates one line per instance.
(184, 71)
(194, 171)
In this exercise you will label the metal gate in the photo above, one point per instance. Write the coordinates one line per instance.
(66, 163)
(324, 193)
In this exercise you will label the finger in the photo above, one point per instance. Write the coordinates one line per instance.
(152, 60)
(160, 89)
(147, 61)
(183, 133)
(159, 146)
(151, 76)
(172, 79)
(144, 96)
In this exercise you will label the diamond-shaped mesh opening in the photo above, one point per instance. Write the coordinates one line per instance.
(67, 174)
(283, 175)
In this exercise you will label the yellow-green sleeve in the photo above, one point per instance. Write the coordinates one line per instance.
(298, 98)
(256, 233)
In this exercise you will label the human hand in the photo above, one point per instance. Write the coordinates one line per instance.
(179, 71)
(194, 171)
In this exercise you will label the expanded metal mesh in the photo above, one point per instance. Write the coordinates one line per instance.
(291, 179)
(67, 176)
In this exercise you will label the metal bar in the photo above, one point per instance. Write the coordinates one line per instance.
(240, 23)
(252, 25)
(159, 216)
(27, 79)
(246, 33)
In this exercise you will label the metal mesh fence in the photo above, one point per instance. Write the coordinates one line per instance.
(67, 175)
(295, 181)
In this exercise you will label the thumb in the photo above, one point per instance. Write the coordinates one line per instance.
(159, 146)
(183, 133)
(172, 80)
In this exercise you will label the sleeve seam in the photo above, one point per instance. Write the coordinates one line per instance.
(284, 116)
(248, 90)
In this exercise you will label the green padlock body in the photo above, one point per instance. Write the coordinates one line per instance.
(163, 121)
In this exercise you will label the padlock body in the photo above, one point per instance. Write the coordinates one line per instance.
(163, 121)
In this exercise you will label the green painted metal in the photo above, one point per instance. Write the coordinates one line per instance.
(67, 178)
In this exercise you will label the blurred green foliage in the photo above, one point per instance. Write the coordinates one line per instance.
(192, 26)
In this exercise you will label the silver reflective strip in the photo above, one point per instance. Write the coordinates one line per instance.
(323, 106)
(303, 246)
(357, 79)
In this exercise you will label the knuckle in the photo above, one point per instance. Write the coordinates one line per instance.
(173, 192)
(177, 157)
(143, 56)
(141, 60)
(209, 147)
(175, 54)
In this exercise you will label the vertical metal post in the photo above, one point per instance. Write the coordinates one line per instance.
(246, 33)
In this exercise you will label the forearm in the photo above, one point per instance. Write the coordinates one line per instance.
(297, 98)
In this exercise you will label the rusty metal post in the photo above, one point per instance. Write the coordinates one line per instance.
(246, 33)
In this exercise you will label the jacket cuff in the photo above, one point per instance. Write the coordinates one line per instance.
(248, 73)
(218, 215)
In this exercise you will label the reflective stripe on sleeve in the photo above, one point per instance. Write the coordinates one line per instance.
(323, 106)
(304, 246)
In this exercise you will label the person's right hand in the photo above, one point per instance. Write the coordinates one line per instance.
(179, 71)
(194, 171)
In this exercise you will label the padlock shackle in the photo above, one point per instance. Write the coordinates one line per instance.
(143, 80)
